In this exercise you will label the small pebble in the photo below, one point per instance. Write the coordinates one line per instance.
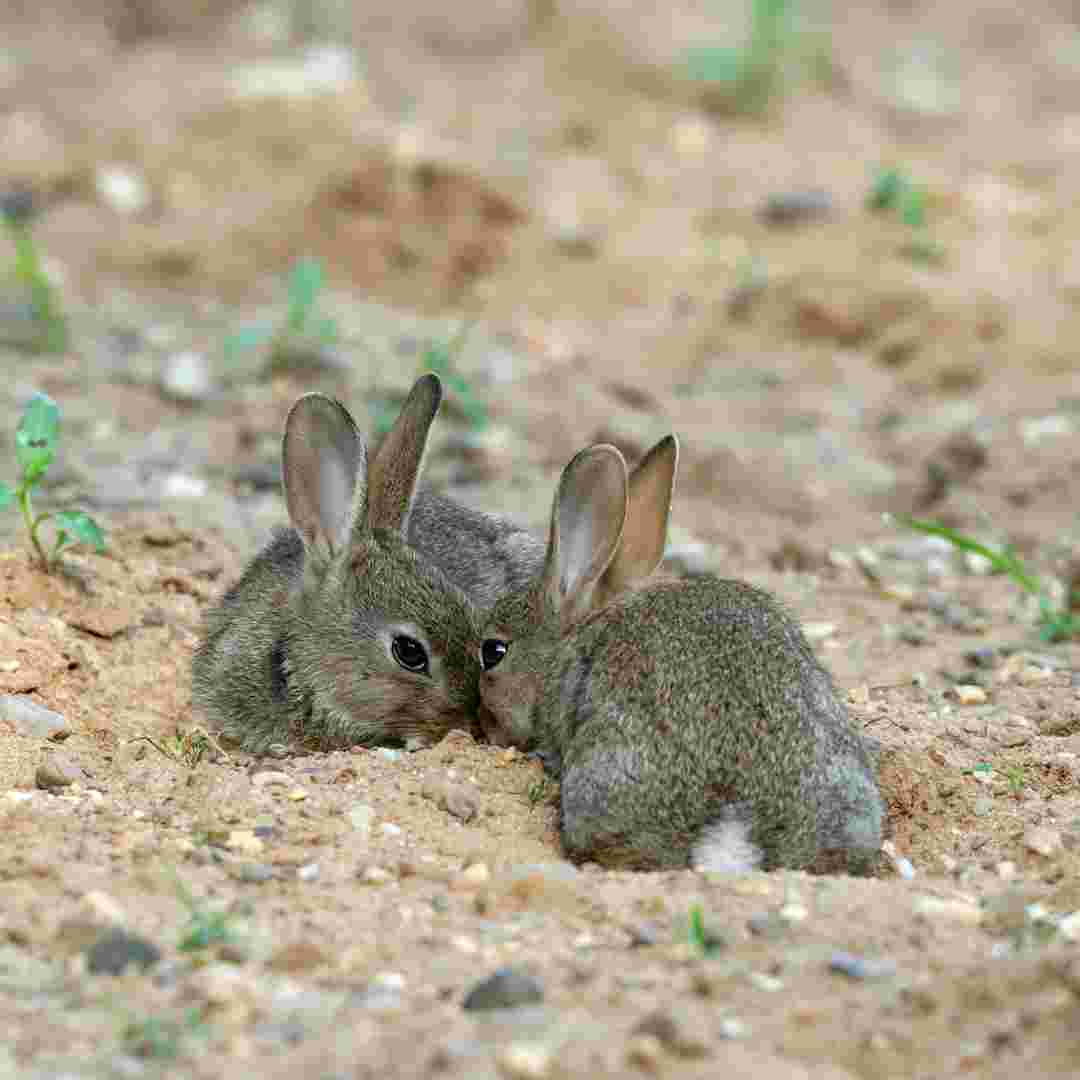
(30, 718)
(254, 873)
(387, 754)
(186, 377)
(861, 967)
(730, 1028)
(388, 828)
(970, 695)
(122, 189)
(270, 778)
(983, 806)
(102, 908)
(308, 872)
(525, 1060)
(244, 841)
(116, 949)
(54, 773)
(796, 207)
(376, 875)
(504, 989)
(461, 800)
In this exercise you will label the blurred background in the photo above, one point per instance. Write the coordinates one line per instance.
(831, 244)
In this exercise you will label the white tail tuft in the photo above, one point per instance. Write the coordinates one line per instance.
(724, 847)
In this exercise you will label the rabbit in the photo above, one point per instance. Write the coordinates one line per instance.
(689, 721)
(339, 633)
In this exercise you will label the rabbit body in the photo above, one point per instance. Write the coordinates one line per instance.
(694, 724)
(339, 632)
(689, 721)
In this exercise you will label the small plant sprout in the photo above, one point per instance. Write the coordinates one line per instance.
(699, 935)
(206, 927)
(1056, 621)
(893, 191)
(747, 78)
(186, 747)
(36, 440)
(17, 212)
(303, 332)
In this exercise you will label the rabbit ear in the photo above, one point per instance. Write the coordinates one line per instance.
(323, 464)
(586, 525)
(394, 473)
(648, 509)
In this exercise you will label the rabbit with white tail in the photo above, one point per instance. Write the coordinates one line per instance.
(343, 631)
(689, 721)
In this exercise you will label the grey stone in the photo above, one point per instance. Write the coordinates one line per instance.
(861, 967)
(504, 989)
(30, 718)
(115, 950)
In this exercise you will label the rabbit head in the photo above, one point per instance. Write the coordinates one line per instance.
(607, 535)
(377, 646)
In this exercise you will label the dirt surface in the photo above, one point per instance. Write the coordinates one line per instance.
(611, 235)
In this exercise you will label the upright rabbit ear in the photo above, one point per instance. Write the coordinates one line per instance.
(394, 473)
(586, 525)
(323, 464)
(648, 510)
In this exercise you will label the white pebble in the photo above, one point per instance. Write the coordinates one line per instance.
(308, 872)
(122, 189)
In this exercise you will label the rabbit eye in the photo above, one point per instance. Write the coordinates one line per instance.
(491, 653)
(409, 653)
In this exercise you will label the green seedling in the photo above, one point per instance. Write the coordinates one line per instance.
(539, 792)
(699, 935)
(185, 747)
(303, 331)
(1056, 622)
(893, 191)
(36, 440)
(440, 357)
(163, 1038)
(17, 212)
(206, 927)
(746, 79)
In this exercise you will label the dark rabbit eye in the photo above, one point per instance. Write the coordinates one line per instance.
(491, 653)
(409, 653)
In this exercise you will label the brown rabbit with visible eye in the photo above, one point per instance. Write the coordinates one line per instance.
(690, 721)
(339, 633)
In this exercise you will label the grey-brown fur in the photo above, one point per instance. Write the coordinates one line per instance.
(301, 648)
(688, 719)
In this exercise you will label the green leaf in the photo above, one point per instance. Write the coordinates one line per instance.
(82, 527)
(913, 207)
(889, 185)
(305, 283)
(711, 64)
(7, 496)
(36, 436)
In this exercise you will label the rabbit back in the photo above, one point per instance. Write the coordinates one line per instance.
(695, 725)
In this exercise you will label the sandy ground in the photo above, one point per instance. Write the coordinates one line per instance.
(549, 176)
